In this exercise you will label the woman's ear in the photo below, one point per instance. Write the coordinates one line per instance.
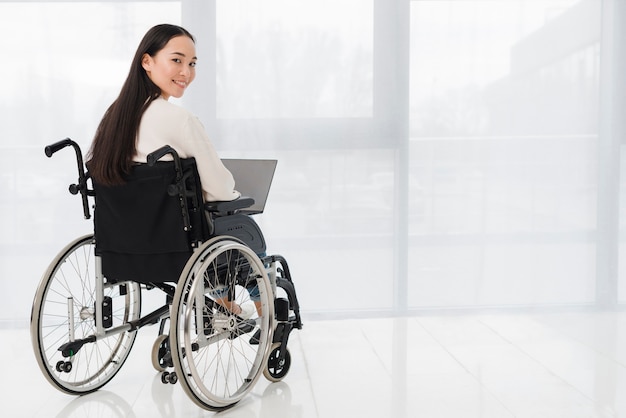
(146, 62)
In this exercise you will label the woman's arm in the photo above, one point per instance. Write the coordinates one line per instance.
(218, 183)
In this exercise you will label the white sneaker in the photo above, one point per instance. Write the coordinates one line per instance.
(247, 311)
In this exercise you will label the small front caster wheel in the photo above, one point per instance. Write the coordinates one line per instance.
(64, 366)
(276, 369)
(168, 377)
(160, 351)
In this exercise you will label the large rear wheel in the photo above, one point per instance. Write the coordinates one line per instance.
(216, 354)
(64, 311)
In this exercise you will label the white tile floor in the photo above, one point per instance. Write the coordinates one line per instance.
(545, 365)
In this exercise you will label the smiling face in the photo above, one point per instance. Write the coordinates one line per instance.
(172, 69)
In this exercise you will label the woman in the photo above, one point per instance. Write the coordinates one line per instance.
(141, 120)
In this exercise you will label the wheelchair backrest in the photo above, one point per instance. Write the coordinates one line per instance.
(139, 230)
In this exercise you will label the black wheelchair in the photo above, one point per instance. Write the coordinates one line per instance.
(156, 232)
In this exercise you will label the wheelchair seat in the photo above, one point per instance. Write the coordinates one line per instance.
(138, 226)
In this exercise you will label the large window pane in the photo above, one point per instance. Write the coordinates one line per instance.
(504, 124)
(295, 81)
(291, 59)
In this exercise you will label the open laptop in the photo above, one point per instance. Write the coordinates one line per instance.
(253, 178)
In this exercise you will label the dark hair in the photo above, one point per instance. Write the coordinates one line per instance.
(114, 145)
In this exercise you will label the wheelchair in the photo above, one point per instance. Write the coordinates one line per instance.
(155, 232)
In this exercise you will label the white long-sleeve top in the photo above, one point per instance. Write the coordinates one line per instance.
(165, 123)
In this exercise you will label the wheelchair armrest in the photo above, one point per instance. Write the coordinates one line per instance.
(229, 206)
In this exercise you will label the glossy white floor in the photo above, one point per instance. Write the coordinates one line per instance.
(566, 364)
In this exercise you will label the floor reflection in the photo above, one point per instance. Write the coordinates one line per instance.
(497, 365)
(98, 404)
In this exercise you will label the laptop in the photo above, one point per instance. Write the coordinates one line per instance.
(253, 178)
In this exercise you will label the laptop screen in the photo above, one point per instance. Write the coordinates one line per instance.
(253, 178)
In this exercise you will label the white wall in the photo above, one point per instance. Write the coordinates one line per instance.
(432, 154)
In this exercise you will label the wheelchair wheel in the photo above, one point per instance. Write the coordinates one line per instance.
(65, 307)
(216, 358)
(276, 369)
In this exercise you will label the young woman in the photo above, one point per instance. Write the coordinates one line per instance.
(141, 120)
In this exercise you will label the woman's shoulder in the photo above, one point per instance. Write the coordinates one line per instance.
(163, 108)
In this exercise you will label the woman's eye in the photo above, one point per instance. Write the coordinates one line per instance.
(192, 64)
(176, 60)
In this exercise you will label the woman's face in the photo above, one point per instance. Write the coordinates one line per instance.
(172, 69)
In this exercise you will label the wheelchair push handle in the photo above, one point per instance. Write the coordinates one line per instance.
(81, 186)
(52, 148)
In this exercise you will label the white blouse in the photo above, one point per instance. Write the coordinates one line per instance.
(165, 123)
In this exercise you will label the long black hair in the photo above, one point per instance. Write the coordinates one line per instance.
(114, 145)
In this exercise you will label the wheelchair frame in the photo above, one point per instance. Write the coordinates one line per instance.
(81, 335)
